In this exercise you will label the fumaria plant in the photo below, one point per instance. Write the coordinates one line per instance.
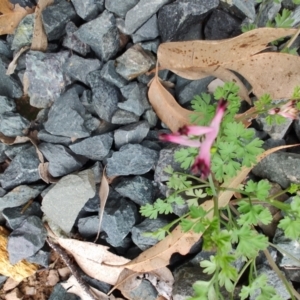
(218, 147)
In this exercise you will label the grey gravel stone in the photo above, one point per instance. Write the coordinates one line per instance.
(95, 148)
(22, 169)
(118, 218)
(7, 105)
(136, 98)
(59, 292)
(140, 13)
(241, 8)
(133, 134)
(23, 33)
(280, 167)
(19, 196)
(64, 201)
(131, 159)
(55, 18)
(134, 62)
(66, 117)
(175, 20)
(137, 188)
(102, 35)
(120, 7)
(148, 225)
(151, 117)
(27, 239)
(10, 86)
(88, 9)
(108, 72)
(3, 156)
(5, 50)
(78, 68)
(123, 117)
(15, 216)
(105, 96)
(45, 75)
(186, 93)
(61, 160)
(267, 11)
(12, 124)
(148, 31)
(151, 45)
(12, 150)
(72, 42)
(45, 136)
(221, 25)
(42, 257)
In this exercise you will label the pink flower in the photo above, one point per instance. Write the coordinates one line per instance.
(288, 110)
(182, 137)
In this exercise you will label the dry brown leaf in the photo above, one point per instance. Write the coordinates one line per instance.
(95, 260)
(165, 106)
(202, 54)
(11, 16)
(13, 64)
(103, 194)
(159, 255)
(39, 39)
(274, 73)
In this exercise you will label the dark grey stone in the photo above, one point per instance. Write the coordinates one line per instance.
(42, 257)
(166, 158)
(24, 3)
(45, 136)
(271, 143)
(196, 87)
(15, 216)
(26, 240)
(118, 218)
(88, 9)
(3, 156)
(120, 7)
(102, 35)
(151, 117)
(87, 101)
(131, 134)
(97, 169)
(61, 160)
(66, 117)
(78, 68)
(151, 145)
(10, 85)
(59, 292)
(19, 196)
(221, 25)
(105, 96)
(12, 124)
(148, 31)
(95, 148)
(22, 169)
(296, 126)
(108, 72)
(23, 33)
(72, 42)
(295, 16)
(142, 12)
(134, 62)
(267, 11)
(280, 167)
(175, 20)
(131, 159)
(45, 75)
(7, 105)
(123, 117)
(240, 8)
(5, 50)
(145, 290)
(148, 225)
(2, 280)
(68, 196)
(137, 188)
(136, 98)
(151, 45)
(92, 123)
(55, 18)
(12, 150)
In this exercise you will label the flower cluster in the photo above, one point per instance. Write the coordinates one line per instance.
(288, 110)
(185, 134)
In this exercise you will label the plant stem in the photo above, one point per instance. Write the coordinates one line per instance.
(215, 196)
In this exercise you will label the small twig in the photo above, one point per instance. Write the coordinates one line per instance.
(72, 267)
(293, 38)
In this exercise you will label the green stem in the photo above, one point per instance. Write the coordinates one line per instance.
(215, 196)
